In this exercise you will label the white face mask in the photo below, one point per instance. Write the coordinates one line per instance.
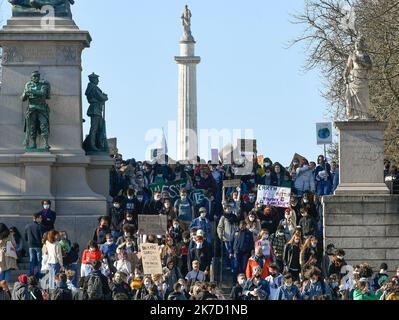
(241, 282)
(116, 205)
(296, 241)
(313, 281)
(203, 215)
(130, 197)
(252, 219)
(140, 198)
(199, 245)
(46, 207)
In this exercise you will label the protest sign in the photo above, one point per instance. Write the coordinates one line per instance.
(324, 133)
(274, 196)
(173, 189)
(215, 156)
(151, 258)
(247, 145)
(231, 183)
(152, 224)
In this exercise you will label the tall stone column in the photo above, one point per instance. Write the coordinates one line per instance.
(187, 148)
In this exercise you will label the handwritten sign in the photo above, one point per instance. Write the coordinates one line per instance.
(151, 258)
(152, 224)
(274, 196)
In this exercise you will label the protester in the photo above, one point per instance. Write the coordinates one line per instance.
(48, 216)
(8, 254)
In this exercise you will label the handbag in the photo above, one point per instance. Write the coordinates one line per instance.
(44, 266)
(10, 251)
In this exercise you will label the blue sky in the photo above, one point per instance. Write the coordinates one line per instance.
(247, 79)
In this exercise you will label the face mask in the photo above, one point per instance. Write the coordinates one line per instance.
(116, 205)
(110, 241)
(295, 163)
(199, 245)
(280, 233)
(268, 164)
(312, 281)
(268, 174)
(288, 285)
(148, 285)
(241, 282)
(296, 241)
(306, 201)
(129, 219)
(252, 219)
(176, 226)
(130, 197)
(183, 198)
(203, 216)
(157, 198)
(314, 245)
(46, 207)
(140, 199)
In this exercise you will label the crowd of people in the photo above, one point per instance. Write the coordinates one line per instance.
(228, 239)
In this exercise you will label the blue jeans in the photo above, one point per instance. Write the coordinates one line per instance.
(35, 259)
(53, 270)
(240, 266)
(324, 188)
(5, 275)
(229, 251)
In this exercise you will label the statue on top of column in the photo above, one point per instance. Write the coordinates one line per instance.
(186, 17)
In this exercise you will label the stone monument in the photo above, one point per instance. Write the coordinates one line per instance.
(362, 217)
(187, 111)
(41, 37)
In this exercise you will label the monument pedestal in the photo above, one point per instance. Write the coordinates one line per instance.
(64, 174)
(362, 217)
(361, 158)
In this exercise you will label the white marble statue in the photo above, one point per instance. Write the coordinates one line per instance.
(357, 80)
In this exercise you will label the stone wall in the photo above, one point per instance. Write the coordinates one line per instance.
(366, 227)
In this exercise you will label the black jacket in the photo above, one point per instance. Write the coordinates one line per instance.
(203, 255)
(48, 219)
(308, 225)
(61, 294)
(34, 234)
(237, 293)
(117, 216)
(152, 207)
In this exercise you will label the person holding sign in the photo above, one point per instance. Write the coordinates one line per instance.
(184, 210)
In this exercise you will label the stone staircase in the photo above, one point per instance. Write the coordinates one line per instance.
(23, 268)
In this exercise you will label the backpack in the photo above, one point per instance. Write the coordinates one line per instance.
(95, 288)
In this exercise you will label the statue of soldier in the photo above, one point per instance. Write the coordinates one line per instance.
(37, 122)
(97, 139)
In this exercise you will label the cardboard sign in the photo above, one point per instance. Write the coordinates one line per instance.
(274, 196)
(231, 183)
(152, 224)
(151, 259)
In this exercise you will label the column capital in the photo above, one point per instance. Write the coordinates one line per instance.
(188, 60)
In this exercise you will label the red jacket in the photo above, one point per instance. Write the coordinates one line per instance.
(252, 263)
(89, 257)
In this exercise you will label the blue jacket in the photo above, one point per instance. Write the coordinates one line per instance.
(263, 285)
(335, 179)
(283, 293)
(243, 242)
(305, 179)
(204, 225)
(318, 289)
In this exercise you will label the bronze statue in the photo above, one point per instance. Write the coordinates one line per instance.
(37, 122)
(23, 8)
(96, 141)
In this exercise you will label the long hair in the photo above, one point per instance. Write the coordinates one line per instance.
(292, 241)
(308, 242)
(4, 231)
(51, 236)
